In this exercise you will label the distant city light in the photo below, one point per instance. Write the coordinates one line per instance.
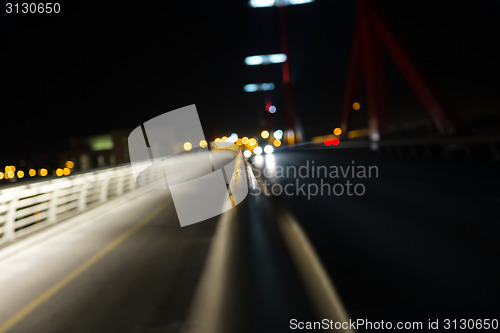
(271, 3)
(66, 171)
(264, 134)
(272, 109)
(238, 142)
(70, 164)
(337, 131)
(203, 144)
(1, 175)
(187, 146)
(233, 138)
(268, 149)
(265, 59)
(253, 87)
(20, 174)
(252, 142)
(277, 143)
(32, 172)
(257, 150)
(356, 106)
(59, 172)
(247, 153)
(244, 140)
(278, 135)
(43, 172)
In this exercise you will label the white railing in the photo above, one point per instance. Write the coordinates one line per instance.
(26, 208)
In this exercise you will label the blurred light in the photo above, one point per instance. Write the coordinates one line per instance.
(375, 136)
(9, 174)
(278, 135)
(356, 106)
(264, 134)
(12, 168)
(203, 144)
(335, 142)
(43, 172)
(66, 171)
(187, 146)
(328, 142)
(257, 150)
(244, 140)
(261, 3)
(69, 164)
(272, 109)
(238, 142)
(59, 172)
(247, 153)
(337, 131)
(218, 140)
(277, 58)
(7, 169)
(20, 174)
(252, 142)
(265, 59)
(268, 149)
(1, 175)
(290, 136)
(298, 2)
(32, 172)
(258, 161)
(253, 87)
(277, 143)
(233, 138)
(224, 138)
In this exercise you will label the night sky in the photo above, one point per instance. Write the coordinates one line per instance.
(94, 67)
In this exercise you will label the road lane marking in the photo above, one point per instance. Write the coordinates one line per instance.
(32, 306)
(205, 311)
(320, 287)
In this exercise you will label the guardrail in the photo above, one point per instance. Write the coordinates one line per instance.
(26, 208)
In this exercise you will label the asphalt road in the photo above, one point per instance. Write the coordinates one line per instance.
(421, 243)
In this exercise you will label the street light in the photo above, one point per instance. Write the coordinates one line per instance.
(265, 59)
(271, 3)
(253, 87)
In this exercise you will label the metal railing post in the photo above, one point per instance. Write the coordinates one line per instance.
(9, 230)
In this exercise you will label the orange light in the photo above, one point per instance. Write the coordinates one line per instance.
(264, 134)
(70, 164)
(244, 140)
(1, 175)
(238, 142)
(66, 171)
(203, 144)
(252, 142)
(32, 172)
(356, 106)
(59, 172)
(20, 174)
(277, 143)
(10, 174)
(7, 168)
(43, 172)
(337, 131)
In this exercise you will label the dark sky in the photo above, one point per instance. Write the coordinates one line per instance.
(96, 67)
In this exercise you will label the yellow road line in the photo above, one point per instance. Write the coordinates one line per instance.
(21, 314)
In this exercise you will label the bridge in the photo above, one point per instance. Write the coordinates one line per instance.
(375, 224)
